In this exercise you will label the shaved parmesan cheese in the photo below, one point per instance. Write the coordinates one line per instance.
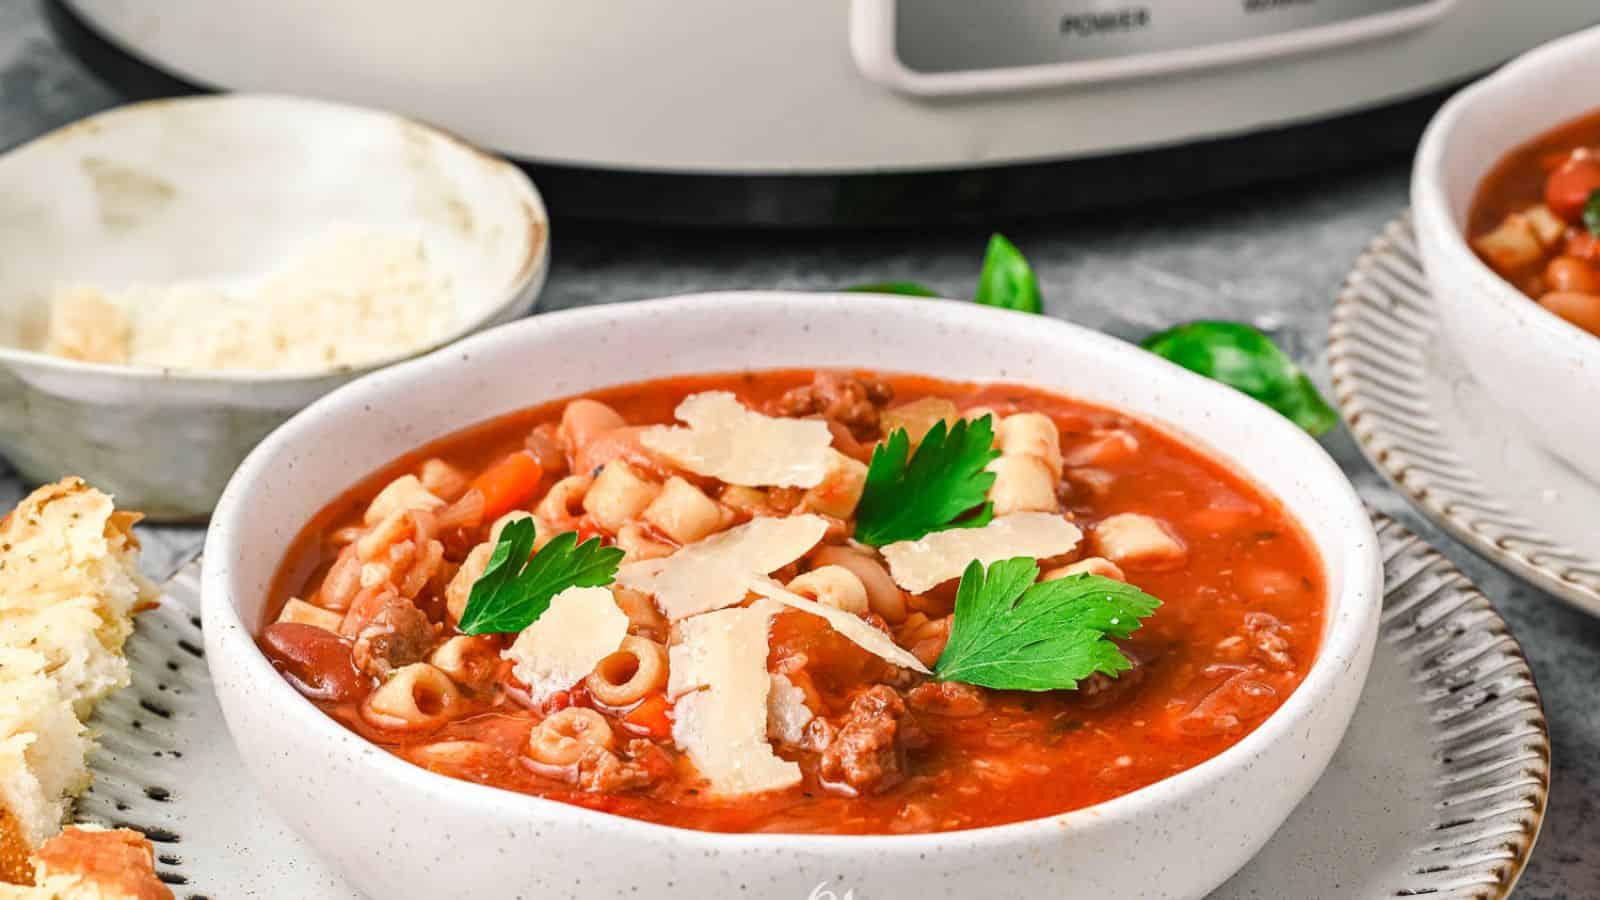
(728, 442)
(582, 626)
(715, 573)
(851, 626)
(787, 712)
(919, 565)
(720, 681)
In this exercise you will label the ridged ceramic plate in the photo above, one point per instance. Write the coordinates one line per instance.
(1461, 459)
(1438, 790)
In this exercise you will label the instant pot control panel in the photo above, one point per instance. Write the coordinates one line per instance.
(958, 47)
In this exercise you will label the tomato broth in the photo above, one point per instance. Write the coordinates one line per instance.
(885, 750)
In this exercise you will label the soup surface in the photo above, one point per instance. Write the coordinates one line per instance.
(1536, 221)
(369, 600)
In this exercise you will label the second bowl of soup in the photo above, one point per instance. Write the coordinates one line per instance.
(1501, 189)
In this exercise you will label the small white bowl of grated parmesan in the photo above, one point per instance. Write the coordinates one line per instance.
(183, 275)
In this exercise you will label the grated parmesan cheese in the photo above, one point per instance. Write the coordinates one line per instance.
(582, 627)
(720, 684)
(922, 564)
(851, 626)
(356, 296)
(736, 445)
(716, 572)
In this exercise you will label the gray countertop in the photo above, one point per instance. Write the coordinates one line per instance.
(1273, 255)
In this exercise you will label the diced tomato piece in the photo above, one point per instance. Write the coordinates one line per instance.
(508, 484)
(587, 529)
(1584, 245)
(652, 717)
(1570, 187)
(560, 700)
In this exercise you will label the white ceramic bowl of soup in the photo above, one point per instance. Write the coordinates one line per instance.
(224, 190)
(1529, 360)
(399, 831)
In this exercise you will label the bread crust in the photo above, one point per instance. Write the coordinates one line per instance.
(114, 864)
(15, 866)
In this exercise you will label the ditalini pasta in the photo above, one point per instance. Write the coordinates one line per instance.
(803, 601)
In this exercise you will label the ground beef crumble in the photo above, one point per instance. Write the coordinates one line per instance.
(853, 402)
(603, 771)
(1265, 633)
(866, 752)
(397, 636)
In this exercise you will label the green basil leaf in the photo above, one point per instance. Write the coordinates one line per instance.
(1007, 280)
(1247, 360)
(1591, 212)
(903, 288)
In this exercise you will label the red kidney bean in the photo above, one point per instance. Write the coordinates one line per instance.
(315, 660)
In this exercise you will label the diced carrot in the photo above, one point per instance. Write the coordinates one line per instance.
(508, 484)
(652, 717)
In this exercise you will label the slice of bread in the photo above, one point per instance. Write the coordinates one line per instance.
(88, 863)
(69, 587)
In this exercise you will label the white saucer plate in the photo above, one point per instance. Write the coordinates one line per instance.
(1433, 431)
(1438, 789)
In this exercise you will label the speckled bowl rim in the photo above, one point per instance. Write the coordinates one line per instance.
(523, 287)
(1348, 637)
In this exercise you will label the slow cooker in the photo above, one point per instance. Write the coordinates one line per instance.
(851, 112)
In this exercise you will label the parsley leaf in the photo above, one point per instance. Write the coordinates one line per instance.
(903, 288)
(1006, 279)
(1247, 360)
(515, 590)
(1010, 633)
(905, 499)
(1591, 212)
